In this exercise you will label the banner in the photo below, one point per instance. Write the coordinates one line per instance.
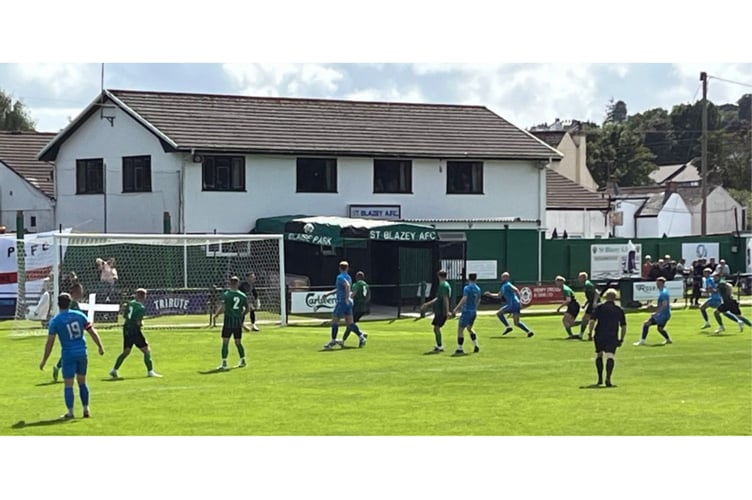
(701, 250)
(647, 290)
(540, 294)
(178, 302)
(311, 302)
(614, 261)
(40, 258)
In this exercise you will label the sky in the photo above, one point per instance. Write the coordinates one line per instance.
(526, 94)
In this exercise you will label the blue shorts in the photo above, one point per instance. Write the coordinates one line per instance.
(467, 318)
(713, 302)
(659, 320)
(75, 365)
(342, 309)
(511, 308)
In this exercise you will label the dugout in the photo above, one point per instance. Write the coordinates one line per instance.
(395, 256)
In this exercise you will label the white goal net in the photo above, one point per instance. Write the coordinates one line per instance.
(184, 276)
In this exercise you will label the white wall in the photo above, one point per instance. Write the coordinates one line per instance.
(674, 218)
(646, 227)
(511, 190)
(721, 218)
(629, 208)
(578, 223)
(126, 212)
(17, 194)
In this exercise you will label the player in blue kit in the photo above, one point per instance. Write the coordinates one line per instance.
(70, 326)
(469, 305)
(512, 305)
(661, 316)
(714, 300)
(343, 307)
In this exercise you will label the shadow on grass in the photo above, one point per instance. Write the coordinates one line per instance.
(51, 382)
(119, 379)
(215, 370)
(506, 337)
(21, 424)
(432, 352)
(596, 386)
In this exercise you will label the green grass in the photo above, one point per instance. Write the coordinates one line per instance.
(700, 385)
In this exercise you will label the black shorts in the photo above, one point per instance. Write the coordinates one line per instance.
(573, 308)
(439, 320)
(235, 332)
(731, 306)
(606, 343)
(134, 337)
(358, 315)
(590, 308)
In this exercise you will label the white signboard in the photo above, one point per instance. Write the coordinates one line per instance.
(647, 290)
(40, 257)
(311, 302)
(383, 212)
(614, 261)
(702, 250)
(485, 269)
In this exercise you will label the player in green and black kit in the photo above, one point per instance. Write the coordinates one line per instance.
(729, 307)
(77, 293)
(235, 306)
(132, 334)
(573, 307)
(441, 308)
(592, 298)
(361, 296)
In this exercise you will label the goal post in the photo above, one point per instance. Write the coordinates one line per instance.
(183, 274)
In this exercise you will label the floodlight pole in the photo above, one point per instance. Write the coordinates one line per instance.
(704, 170)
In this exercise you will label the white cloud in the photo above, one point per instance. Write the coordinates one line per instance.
(392, 94)
(524, 94)
(719, 91)
(59, 79)
(284, 79)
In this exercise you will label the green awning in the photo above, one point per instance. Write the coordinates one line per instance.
(340, 231)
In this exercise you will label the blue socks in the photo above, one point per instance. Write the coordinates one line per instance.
(68, 393)
(503, 319)
(335, 327)
(704, 315)
(84, 390)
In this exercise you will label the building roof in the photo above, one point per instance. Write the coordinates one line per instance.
(653, 205)
(18, 151)
(564, 194)
(280, 125)
(675, 173)
(550, 137)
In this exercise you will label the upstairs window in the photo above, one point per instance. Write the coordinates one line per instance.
(90, 176)
(316, 175)
(223, 173)
(392, 176)
(464, 177)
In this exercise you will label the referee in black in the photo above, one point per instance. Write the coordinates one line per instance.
(610, 329)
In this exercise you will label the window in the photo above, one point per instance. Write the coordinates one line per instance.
(464, 177)
(317, 175)
(33, 222)
(137, 174)
(90, 176)
(224, 173)
(392, 176)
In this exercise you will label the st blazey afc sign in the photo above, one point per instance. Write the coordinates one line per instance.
(382, 212)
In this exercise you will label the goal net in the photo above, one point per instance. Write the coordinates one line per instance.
(184, 276)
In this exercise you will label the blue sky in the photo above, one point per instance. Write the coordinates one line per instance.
(523, 93)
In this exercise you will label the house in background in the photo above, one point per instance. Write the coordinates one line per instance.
(569, 139)
(221, 162)
(25, 182)
(573, 209)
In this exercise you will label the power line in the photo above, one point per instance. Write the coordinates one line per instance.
(730, 81)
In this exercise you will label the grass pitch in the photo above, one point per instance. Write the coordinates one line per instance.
(700, 385)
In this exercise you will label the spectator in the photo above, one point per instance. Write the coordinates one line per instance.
(680, 269)
(722, 269)
(108, 277)
(656, 270)
(697, 268)
(669, 269)
(646, 267)
(68, 281)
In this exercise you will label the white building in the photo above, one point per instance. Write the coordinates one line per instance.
(26, 183)
(220, 162)
(574, 210)
(569, 139)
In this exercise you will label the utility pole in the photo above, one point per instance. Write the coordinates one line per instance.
(704, 173)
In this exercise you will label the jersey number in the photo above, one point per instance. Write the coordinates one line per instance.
(74, 331)
(236, 303)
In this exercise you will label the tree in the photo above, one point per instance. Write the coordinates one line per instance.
(616, 111)
(615, 152)
(13, 115)
(654, 126)
(745, 111)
